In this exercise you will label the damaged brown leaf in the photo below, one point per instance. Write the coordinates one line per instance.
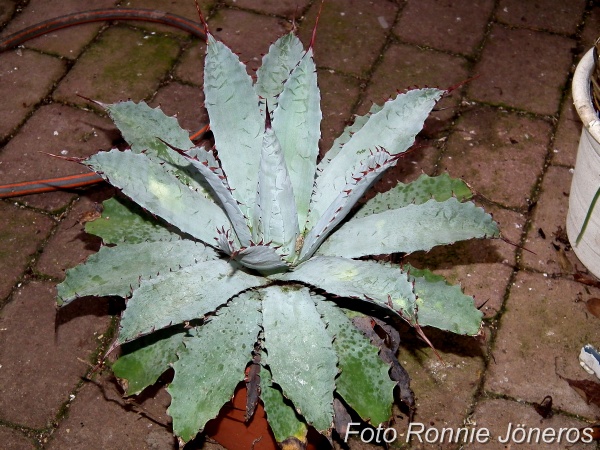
(544, 408)
(588, 390)
(593, 306)
(388, 345)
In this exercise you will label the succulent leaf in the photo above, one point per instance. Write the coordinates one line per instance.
(362, 178)
(235, 120)
(160, 192)
(142, 126)
(442, 305)
(175, 297)
(346, 135)
(124, 221)
(276, 67)
(283, 419)
(410, 229)
(261, 257)
(421, 190)
(206, 164)
(300, 354)
(144, 360)
(275, 215)
(212, 364)
(118, 270)
(145, 128)
(401, 118)
(382, 284)
(364, 381)
(296, 122)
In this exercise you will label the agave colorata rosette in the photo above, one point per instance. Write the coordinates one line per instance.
(255, 249)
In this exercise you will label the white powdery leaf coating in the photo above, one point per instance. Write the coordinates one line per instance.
(207, 166)
(212, 364)
(296, 122)
(275, 216)
(362, 178)
(277, 64)
(410, 229)
(386, 285)
(235, 120)
(118, 270)
(260, 257)
(185, 295)
(160, 192)
(394, 128)
(300, 353)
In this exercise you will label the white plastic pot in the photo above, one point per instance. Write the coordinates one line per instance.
(586, 178)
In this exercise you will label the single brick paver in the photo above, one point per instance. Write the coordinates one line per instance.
(523, 69)
(190, 67)
(508, 129)
(121, 64)
(487, 149)
(405, 67)
(457, 27)
(26, 78)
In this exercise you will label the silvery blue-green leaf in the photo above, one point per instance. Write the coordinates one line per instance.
(296, 121)
(144, 360)
(144, 128)
(442, 305)
(383, 284)
(208, 167)
(347, 134)
(283, 419)
(421, 190)
(260, 257)
(393, 128)
(410, 229)
(212, 364)
(300, 354)
(160, 192)
(363, 177)
(364, 382)
(122, 221)
(275, 216)
(276, 67)
(235, 120)
(118, 270)
(188, 294)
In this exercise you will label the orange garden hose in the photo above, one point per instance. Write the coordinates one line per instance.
(100, 15)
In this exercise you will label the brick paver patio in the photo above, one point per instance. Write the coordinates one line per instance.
(511, 133)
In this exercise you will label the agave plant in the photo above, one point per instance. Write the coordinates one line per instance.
(253, 252)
